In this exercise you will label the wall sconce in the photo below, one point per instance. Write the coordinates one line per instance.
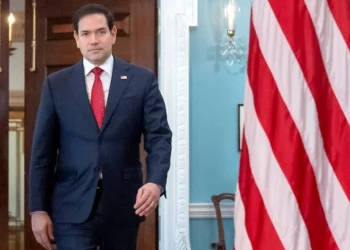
(11, 19)
(232, 49)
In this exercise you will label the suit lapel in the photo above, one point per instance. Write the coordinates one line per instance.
(77, 85)
(120, 79)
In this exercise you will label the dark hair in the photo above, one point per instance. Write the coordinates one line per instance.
(92, 9)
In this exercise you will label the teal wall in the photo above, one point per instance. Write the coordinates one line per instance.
(215, 92)
(204, 232)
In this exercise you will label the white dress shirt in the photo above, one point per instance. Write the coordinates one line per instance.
(106, 76)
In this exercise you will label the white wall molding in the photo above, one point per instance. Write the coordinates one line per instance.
(175, 19)
(207, 210)
(192, 12)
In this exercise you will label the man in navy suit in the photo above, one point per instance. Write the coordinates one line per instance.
(86, 187)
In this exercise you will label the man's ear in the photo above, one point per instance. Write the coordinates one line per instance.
(76, 38)
(114, 32)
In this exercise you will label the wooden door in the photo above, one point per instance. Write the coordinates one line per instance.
(4, 109)
(50, 22)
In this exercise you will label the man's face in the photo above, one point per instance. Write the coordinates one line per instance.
(94, 39)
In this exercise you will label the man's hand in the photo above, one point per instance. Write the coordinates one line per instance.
(43, 229)
(147, 199)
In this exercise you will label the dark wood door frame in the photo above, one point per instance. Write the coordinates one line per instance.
(29, 93)
(4, 121)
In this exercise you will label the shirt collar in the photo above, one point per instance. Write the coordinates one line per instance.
(107, 66)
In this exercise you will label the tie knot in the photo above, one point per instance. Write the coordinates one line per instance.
(97, 71)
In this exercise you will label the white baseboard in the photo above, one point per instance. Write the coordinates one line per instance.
(207, 210)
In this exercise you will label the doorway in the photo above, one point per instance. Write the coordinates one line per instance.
(46, 24)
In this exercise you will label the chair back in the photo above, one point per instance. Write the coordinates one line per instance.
(216, 199)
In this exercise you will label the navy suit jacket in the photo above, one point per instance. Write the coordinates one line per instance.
(68, 148)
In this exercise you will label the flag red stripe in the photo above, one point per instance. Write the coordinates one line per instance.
(334, 127)
(287, 146)
(341, 13)
(260, 229)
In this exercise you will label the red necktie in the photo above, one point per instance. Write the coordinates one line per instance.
(97, 97)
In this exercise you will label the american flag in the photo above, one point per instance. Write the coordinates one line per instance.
(293, 190)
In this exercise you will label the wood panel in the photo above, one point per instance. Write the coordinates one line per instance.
(32, 98)
(144, 29)
(4, 120)
(59, 8)
(59, 28)
(145, 54)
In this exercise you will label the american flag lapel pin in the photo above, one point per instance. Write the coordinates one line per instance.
(123, 77)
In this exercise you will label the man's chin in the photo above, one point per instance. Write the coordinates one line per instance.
(95, 59)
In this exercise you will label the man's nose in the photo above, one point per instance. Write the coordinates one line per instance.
(94, 39)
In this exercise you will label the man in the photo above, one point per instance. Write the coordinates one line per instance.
(86, 187)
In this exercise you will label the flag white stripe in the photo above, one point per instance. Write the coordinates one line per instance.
(278, 197)
(300, 103)
(334, 50)
(242, 240)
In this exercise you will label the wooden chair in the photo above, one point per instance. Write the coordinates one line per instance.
(216, 199)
